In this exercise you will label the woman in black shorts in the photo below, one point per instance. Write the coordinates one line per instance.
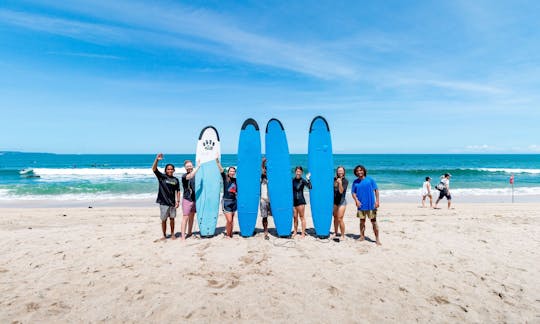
(229, 196)
(299, 201)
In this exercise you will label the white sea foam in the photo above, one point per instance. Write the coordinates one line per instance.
(93, 173)
(509, 170)
(519, 191)
(6, 196)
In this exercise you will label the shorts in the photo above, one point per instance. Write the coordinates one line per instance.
(188, 207)
(166, 211)
(371, 214)
(229, 205)
(265, 208)
(298, 202)
(341, 203)
(444, 193)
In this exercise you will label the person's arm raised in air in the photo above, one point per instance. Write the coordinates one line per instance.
(190, 175)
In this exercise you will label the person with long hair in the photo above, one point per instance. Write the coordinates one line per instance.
(299, 202)
(188, 199)
(229, 196)
(340, 203)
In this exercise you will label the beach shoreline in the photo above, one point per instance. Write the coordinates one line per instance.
(475, 263)
(150, 202)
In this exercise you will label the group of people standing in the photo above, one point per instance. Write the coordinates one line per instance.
(364, 191)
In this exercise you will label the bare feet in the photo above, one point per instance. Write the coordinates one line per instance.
(378, 242)
(163, 238)
(173, 237)
(302, 235)
(361, 238)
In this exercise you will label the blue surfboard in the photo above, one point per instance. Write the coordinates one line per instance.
(321, 167)
(208, 181)
(248, 176)
(278, 166)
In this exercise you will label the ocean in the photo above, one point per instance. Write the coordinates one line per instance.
(42, 176)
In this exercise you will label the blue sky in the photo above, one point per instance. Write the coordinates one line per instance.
(390, 76)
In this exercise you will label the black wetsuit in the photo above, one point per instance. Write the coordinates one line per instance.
(229, 193)
(298, 190)
(339, 198)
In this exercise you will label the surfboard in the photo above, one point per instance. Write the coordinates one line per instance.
(248, 176)
(278, 166)
(321, 165)
(208, 180)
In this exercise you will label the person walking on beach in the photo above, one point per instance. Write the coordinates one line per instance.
(168, 196)
(265, 200)
(366, 196)
(444, 190)
(188, 198)
(340, 203)
(299, 202)
(426, 192)
(229, 196)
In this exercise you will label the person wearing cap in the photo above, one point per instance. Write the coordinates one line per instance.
(426, 192)
(445, 180)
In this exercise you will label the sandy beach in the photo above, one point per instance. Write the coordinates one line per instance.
(476, 263)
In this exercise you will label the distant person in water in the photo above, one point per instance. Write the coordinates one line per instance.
(299, 202)
(168, 196)
(340, 203)
(229, 196)
(426, 192)
(265, 200)
(444, 190)
(366, 196)
(188, 199)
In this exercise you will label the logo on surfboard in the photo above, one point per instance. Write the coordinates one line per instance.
(208, 145)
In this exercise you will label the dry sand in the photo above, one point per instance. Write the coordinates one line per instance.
(476, 263)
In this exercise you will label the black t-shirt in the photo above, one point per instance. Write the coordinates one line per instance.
(229, 187)
(167, 188)
(189, 188)
(339, 198)
(298, 188)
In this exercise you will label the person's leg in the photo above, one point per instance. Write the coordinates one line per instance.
(336, 220)
(376, 230)
(163, 214)
(171, 221)
(295, 221)
(449, 203)
(362, 228)
(430, 201)
(183, 226)
(265, 226)
(341, 215)
(301, 210)
(164, 229)
(191, 219)
(229, 226)
(423, 201)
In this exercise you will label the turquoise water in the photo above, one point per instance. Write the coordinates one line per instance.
(59, 176)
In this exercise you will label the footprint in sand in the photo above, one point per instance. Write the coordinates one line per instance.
(32, 307)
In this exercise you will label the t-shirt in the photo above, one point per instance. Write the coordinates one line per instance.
(168, 186)
(446, 183)
(229, 187)
(189, 188)
(339, 198)
(364, 191)
(426, 188)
